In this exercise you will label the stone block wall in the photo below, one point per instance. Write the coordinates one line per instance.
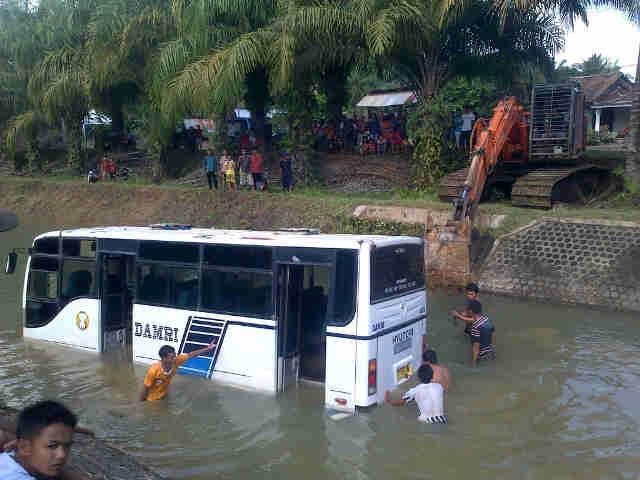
(587, 262)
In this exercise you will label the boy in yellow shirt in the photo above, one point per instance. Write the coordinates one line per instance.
(159, 375)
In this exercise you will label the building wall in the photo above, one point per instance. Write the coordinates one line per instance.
(621, 119)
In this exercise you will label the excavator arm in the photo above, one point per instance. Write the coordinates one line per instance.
(489, 140)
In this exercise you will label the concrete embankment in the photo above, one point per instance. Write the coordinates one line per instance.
(592, 262)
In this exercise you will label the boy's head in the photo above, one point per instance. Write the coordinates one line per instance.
(430, 356)
(167, 356)
(45, 434)
(471, 291)
(425, 373)
(475, 307)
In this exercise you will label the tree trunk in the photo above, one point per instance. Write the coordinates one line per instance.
(632, 159)
(258, 99)
(75, 155)
(334, 86)
(117, 117)
(34, 160)
(158, 162)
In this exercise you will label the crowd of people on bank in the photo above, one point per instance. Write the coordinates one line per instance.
(378, 134)
(434, 380)
(246, 170)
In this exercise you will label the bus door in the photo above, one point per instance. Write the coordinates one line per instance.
(116, 293)
(303, 277)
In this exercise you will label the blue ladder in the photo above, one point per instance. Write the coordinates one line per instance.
(200, 333)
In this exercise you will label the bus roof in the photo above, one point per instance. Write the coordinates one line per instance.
(299, 238)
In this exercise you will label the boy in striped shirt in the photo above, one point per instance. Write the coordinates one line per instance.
(481, 333)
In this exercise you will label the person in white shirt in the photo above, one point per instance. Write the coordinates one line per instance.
(468, 119)
(43, 442)
(429, 397)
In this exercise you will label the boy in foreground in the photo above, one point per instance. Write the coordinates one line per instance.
(44, 435)
(428, 395)
(159, 375)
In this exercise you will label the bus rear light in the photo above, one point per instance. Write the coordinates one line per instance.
(340, 401)
(373, 376)
(424, 343)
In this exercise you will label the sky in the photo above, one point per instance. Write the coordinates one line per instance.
(610, 34)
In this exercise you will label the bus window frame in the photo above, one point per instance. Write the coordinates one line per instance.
(58, 300)
(204, 267)
(170, 266)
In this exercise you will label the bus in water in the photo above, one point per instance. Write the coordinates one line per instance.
(346, 311)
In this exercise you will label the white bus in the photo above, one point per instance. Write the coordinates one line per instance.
(348, 311)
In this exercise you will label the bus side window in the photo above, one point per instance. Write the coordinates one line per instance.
(153, 284)
(77, 279)
(184, 290)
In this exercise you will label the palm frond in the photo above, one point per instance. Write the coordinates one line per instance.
(23, 126)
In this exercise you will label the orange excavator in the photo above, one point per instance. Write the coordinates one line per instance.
(535, 158)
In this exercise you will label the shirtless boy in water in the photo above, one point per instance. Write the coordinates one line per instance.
(441, 374)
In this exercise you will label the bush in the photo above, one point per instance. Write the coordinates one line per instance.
(430, 128)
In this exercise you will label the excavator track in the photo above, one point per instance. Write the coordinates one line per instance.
(451, 185)
(539, 188)
(543, 187)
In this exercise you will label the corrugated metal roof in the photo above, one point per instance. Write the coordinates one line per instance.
(387, 99)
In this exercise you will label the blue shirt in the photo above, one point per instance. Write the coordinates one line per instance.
(210, 163)
(12, 470)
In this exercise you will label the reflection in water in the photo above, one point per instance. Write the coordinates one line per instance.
(559, 402)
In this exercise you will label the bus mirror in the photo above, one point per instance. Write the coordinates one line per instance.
(10, 263)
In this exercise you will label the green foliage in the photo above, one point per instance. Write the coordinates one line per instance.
(595, 64)
(479, 94)
(365, 226)
(430, 128)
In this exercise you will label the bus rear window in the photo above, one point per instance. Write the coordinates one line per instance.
(396, 270)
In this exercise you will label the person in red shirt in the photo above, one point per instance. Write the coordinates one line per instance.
(257, 169)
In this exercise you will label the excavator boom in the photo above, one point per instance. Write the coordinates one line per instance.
(503, 135)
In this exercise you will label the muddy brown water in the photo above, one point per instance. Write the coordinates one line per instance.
(560, 402)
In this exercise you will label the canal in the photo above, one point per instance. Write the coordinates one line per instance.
(559, 402)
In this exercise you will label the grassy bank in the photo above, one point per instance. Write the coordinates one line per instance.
(70, 203)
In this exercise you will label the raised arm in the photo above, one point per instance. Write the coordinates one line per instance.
(202, 350)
